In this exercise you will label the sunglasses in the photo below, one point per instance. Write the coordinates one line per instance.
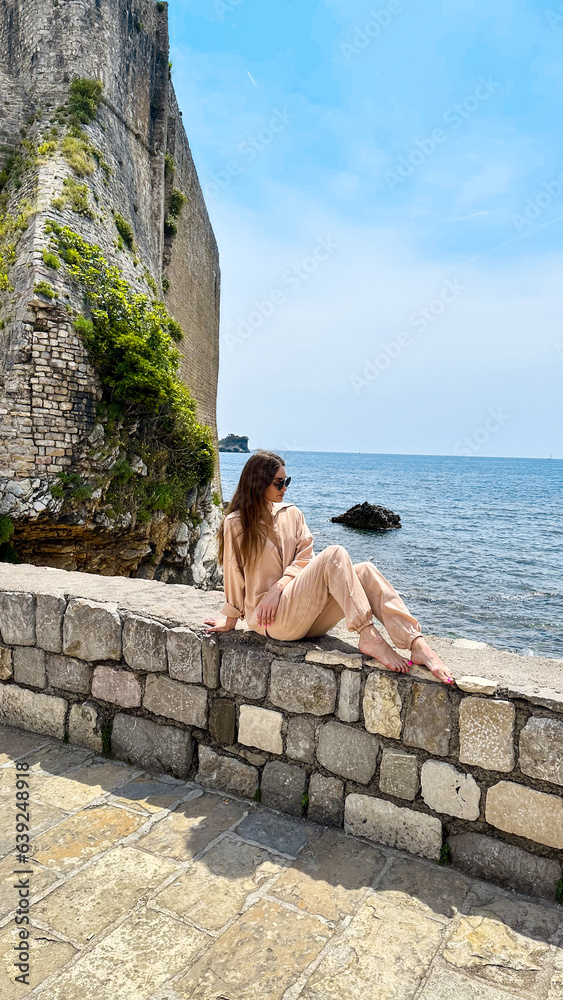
(280, 483)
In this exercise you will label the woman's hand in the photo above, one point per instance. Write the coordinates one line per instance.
(226, 626)
(266, 610)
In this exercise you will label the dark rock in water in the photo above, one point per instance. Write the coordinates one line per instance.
(369, 516)
(234, 442)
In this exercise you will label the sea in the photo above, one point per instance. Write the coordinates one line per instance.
(480, 551)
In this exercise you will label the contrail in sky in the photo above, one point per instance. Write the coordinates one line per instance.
(253, 80)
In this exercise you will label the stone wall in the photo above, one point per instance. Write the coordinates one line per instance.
(306, 728)
(48, 388)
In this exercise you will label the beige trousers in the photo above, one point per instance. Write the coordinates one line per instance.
(329, 588)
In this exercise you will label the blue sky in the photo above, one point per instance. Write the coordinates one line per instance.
(385, 183)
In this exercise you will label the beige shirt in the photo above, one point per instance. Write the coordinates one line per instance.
(280, 560)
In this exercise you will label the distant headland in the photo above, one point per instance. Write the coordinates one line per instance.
(234, 442)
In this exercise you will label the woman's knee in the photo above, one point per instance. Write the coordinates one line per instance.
(334, 552)
(363, 569)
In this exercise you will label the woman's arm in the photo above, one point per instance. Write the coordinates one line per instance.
(232, 575)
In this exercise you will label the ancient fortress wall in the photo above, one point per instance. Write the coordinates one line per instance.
(48, 388)
(471, 774)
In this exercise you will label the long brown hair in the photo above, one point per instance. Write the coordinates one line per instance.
(248, 498)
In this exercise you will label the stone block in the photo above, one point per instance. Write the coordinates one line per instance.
(32, 710)
(118, 686)
(428, 722)
(396, 826)
(541, 749)
(495, 861)
(175, 700)
(326, 800)
(222, 720)
(91, 631)
(477, 685)
(486, 733)
(226, 773)
(446, 790)
(347, 751)
(49, 622)
(398, 774)
(85, 726)
(17, 618)
(6, 664)
(144, 644)
(260, 728)
(245, 672)
(29, 666)
(211, 661)
(289, 649)
(184, 655)
(155, 747)
(70, 674)
(300, 741)
(349, 697)
(300, 687)
(382, 705)
(526, 812)
(334, 658)
(283, 787)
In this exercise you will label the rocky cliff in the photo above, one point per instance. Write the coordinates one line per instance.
(109, 300)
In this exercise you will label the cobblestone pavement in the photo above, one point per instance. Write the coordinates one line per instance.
(144, 887)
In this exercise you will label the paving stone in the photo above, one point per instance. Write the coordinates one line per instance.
(349, 697)
(556, 984)
(175, 700)
(49, 955)
(253, 959)
(55, 758)
(333, 657)
(526, 812)
(14, 743)
(486, 733)
(477, 685)
(440, 892)
(382, 705)
(386, 823)
(83, 784)
(444, 984)
(68, 673)
(150, 794)
(6, 665)
(184, 655)
(280, 833)
(29, 666)
(91, 631)
(300, 740)
(192, 826)
(226, 773)
(489, 950)
(310, 690)
(135, 959)
(71, 842)
(446, 790)
(330, 876)
(49, 622)
(428, 722)
(41, 713)
(144, 644)
(382, 954)
(261, 728)
(346, 751)
(283, 787)
(398, 773)
(245, 672)
(17, 618)
(42, 817)
(39, 878)
(541, 749)
(532, 919)
(495, 861)
(85, 726)
(326, 800)
(211, 661)
(156, 747)
(117, 686)
(222, 720)
(215, 889)
(83, 906)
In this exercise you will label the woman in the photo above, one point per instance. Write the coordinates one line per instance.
(274, 580)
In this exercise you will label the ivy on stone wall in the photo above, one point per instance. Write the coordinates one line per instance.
(130, 341)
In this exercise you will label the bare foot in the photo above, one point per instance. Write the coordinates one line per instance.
(373, 644)
(422, 654)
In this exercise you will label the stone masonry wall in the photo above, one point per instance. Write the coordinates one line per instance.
(309, 730)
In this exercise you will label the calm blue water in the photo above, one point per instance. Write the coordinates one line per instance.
(480, 553)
